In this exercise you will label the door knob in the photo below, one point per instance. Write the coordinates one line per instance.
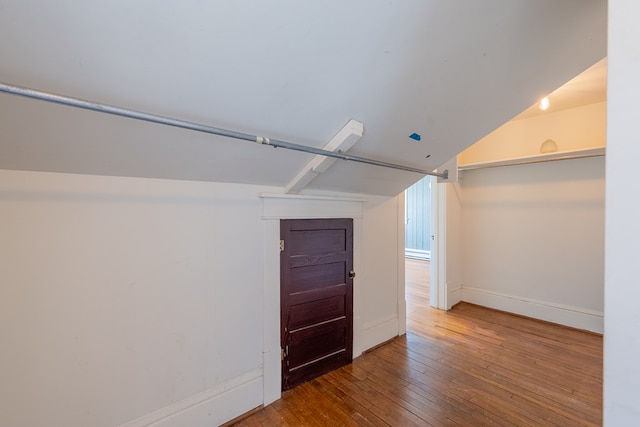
(352, 274)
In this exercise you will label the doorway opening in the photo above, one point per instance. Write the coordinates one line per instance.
(420, 245)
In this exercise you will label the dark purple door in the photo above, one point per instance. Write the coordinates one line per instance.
(316, 297)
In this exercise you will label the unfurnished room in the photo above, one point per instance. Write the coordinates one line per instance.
(203, 216)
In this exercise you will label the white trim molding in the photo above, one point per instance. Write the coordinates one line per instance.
(455, 296)
(214, 406)
(401, 263)
(575, 317)
(295, 206)
(417, 253)
(537, 158)
(375, 333)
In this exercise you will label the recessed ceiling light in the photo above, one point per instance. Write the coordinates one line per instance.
(544, 103)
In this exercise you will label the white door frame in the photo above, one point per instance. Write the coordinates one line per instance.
(438, 283)
(285, 206)
(438, 280)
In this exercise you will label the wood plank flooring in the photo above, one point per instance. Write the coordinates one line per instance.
(470, 366)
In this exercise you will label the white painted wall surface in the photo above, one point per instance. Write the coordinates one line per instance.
(622, 293)
(131, 301)
(534, 240)
(123, 296)
(381, 224)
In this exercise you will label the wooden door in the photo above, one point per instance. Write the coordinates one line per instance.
(316, 297)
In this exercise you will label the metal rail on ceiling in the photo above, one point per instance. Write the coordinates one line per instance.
(168, 121)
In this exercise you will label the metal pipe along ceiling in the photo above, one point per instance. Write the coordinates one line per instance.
(168, 121)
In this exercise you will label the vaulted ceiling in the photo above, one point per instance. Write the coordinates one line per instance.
(451, 71)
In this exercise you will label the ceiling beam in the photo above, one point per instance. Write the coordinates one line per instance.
(341, 142)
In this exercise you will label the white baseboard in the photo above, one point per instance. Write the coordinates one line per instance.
(211, 407)
(272, 376)
(357, 336)
(454, 297)
(402, 317)
(374, 333)
(567, 315)
(417, 254)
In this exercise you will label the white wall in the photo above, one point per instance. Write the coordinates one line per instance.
(123, 296)
(136, 301)
(534, 240)
(383, 270)
(622, 293)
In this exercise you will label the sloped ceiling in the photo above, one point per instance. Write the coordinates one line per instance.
(589, 87)
(450, 70)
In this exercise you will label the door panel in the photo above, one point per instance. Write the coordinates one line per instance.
(316, 297)
(312, 312)
(305, 242)
(329, 363)
(319, 276)
(313, 343)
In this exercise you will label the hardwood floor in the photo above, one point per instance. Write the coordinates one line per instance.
(470, 366)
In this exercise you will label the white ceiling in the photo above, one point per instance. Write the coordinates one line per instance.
(452, 71)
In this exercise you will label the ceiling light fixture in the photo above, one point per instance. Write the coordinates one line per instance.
(544, 103)
(549, 146)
